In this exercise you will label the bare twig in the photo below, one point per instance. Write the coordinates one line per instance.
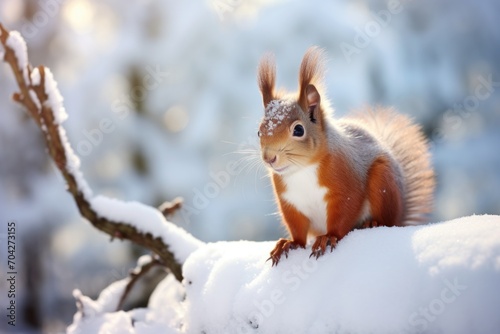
(135, 275)
(170, 208)
(43, 115)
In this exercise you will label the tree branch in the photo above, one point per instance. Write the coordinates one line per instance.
(170, 208)
(135, 275)
(34, 96)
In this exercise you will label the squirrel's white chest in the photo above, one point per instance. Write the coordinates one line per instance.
(304, 193)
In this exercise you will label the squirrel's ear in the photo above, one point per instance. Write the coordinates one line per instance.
(312, 95)
(267, 78)
(310, 76)
(313, 100)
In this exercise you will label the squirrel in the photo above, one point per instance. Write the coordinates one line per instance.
(333, 176)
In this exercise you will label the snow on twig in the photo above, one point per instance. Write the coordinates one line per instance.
(17, 44)
(54, 97)
(108, 299)
(134, 221)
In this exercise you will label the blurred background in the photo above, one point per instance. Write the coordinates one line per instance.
(163, 102)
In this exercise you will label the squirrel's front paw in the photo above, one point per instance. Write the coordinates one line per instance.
(283, 246)
(323, 241)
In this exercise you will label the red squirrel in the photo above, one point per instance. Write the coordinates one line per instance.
(333, 176)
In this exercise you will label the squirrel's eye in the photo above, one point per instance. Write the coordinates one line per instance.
(259, 134)
(298, 130)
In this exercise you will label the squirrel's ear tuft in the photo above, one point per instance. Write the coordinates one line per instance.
(267, 78)
(311, 76)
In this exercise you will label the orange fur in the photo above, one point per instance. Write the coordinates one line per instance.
(311, 73)
(373, 169)
(345, 196)
(410, 149)
(384, 195)
(267, 78)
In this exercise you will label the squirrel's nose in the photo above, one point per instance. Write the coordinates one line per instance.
(270, 160)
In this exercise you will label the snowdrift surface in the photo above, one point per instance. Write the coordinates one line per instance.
(438, 278)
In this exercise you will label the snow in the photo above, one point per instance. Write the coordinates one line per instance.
(73, 164)
(55, 98)
(148, 220)
(16, 42)
(55, 103)
(276, 112)
(107, 302)
(161, 316)
(119, 322)
(143, 260)
(35, 77)
(421, 63)
(436, 278)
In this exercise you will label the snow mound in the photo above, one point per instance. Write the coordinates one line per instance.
(437, 278)
(107, 302)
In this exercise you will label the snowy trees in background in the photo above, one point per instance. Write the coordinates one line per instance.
(447, 276)
(428, 58)
(39, 95)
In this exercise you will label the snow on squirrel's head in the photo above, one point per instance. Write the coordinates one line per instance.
(292, 131)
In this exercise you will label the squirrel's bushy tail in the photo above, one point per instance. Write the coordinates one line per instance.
(410, 149)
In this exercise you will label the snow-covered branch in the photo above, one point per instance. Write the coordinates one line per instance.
(143, 225)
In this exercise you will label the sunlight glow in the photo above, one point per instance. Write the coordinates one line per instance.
(175, 119)
(79, 14)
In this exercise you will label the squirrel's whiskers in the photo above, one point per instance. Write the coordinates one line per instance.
(332, 176)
